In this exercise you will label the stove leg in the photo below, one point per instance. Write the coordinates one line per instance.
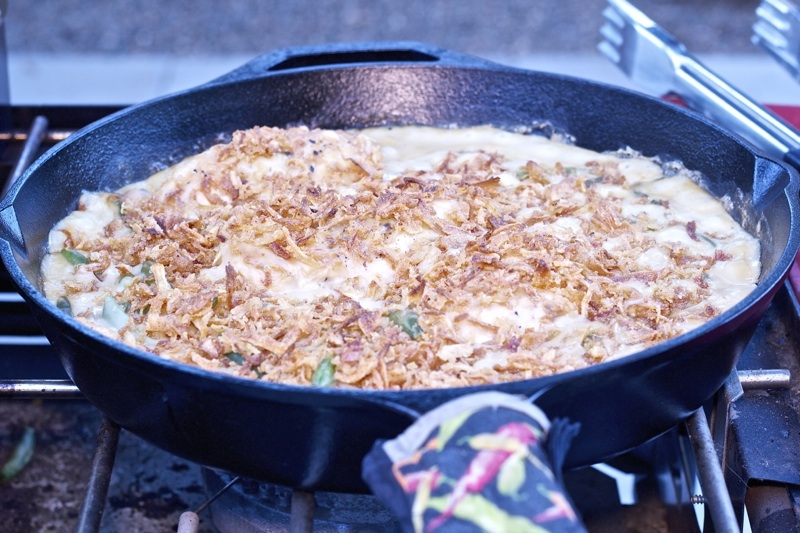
(710, 473)
(99, 479)
(302, 516)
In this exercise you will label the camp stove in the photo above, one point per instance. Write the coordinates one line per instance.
(734, 464)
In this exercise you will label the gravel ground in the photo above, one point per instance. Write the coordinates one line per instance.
(208, 27)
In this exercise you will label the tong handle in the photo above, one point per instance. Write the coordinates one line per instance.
(709, 94)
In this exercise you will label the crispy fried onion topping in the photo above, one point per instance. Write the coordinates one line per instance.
(287, 255)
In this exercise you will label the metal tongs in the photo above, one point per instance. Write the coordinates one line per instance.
(777, 30)
(655, 60)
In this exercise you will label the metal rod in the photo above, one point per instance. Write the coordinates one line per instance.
(47, 389)
(100, 478)
(301, 519)
(189, 521)
(710, 473)
(51, 137)
(29, 151)
(216, 495)
(765, 379)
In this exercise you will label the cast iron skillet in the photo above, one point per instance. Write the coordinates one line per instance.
(316, 438)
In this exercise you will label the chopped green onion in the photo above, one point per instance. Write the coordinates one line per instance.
(408, 321)
(146, 268)
(323, 375)
(117, 201)
(709, 240)
(74, 258)
(20, 457)
(235, 357)
(590, 339)
(63, 304)
(114, 313)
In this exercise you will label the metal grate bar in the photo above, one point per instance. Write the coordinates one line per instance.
(46, 389)
(710, 473)
(33, 142)
(100, 478)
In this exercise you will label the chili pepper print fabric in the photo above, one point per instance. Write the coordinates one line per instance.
(480, 463)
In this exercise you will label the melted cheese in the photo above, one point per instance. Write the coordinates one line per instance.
(270, 266)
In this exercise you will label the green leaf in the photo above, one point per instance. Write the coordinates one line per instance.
(74, 257)
(323, 375)
(408, 321)
(20, 457)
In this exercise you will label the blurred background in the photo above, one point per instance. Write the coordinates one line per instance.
(125, 51)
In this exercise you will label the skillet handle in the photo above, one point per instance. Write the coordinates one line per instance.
(9, 227)
(770, 180)
(312, 57)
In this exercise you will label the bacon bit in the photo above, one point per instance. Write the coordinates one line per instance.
(540, 266)
(419, 289)
(407, 180)
(352, 351)
(719, 255)
(329, 214)
(495, 222)
(231, 284)
(279, 250)
(487, 259)
(512, 344)
(691, 229)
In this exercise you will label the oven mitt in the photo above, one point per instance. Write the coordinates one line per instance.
(484, 462)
